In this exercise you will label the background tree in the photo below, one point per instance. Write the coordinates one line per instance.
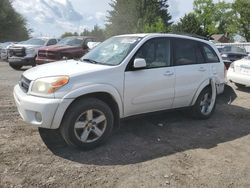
(189, 24)
(12, 24)
(69, 34)
(224, 18)
(97, 32)
(204, 11)
(131, 16)
(242, 13)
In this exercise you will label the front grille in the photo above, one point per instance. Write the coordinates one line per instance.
(24, 84)
(19, 52)
(47, 54)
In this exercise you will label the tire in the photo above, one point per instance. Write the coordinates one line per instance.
(87, 123)
(203, 109)
(16, 67)
(240, 86)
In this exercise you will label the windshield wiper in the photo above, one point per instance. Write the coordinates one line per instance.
(91, 61)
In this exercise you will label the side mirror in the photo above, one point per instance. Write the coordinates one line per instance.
(139, 63)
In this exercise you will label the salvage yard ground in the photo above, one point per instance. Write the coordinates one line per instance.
(167, 149)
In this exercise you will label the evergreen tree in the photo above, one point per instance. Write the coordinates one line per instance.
(12, 24)
(131, 16)
(189, 24)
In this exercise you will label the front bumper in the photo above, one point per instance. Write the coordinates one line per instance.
(21, 60)
(238, 78)
(38, 111)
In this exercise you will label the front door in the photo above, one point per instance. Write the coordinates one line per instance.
(151, 88)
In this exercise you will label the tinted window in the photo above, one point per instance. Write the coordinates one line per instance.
(210, 54)
(156, 52)
(35, 41)
(51, 42)
(185, 52)
(199, 54)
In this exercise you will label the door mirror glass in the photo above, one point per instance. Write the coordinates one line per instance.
(139, 63)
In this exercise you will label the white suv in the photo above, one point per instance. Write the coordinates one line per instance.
(123, 76)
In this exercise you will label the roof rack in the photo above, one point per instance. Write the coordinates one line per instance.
(191, 35)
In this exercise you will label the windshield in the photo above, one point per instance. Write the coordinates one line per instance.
(35, 41)
(112, 51)
(70, 41)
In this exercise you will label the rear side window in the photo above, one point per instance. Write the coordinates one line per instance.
(187, 52)
(210, 55)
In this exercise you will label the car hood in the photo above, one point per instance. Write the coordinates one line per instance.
(58, 47)
(69, 68)
(244, 63)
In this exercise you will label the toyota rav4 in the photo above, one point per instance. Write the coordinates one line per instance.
(123, 76)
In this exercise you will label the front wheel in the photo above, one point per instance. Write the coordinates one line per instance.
(204, 105)
(87, 123)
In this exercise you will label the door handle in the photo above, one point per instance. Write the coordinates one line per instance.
(168, 73)
(202, 69)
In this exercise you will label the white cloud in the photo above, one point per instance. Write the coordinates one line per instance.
(57, 16)
(100, 15)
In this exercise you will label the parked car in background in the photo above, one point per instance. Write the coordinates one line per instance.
(230, 54)
(25, 53)
(4, 50)
(239, 72)
(67, 48)
(125, 75)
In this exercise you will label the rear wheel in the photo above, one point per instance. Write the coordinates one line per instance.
(239, 85)
(87, 123)
(204, 105)
(16, 67)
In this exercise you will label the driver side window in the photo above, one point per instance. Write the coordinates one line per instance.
(156, 53)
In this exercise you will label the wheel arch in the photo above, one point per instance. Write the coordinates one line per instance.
(112, 99)
(206, 83)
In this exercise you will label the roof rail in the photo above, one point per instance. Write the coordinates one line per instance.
(191, 35)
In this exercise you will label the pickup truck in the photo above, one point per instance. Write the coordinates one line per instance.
(68, 48)
(25, 53)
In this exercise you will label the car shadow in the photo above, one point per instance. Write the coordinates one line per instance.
(244, 89)
(161, 134)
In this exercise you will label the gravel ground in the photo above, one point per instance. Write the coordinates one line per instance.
(167, 149)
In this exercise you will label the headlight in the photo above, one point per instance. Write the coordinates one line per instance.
(224, 55)
(30, 51)
(48, 85)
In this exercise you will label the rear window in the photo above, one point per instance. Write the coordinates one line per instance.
(210, 55)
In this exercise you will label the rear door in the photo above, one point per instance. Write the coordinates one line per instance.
(191, 70)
